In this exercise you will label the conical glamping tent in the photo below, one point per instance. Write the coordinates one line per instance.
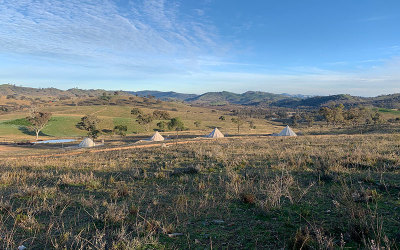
(287, 132)
(157, 137)
(215, 134)
(87, 143)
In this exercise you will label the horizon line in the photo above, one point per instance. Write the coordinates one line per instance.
(174, 91)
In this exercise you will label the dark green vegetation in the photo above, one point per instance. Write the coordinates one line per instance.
(165, 96)
(247, 98)
(319, 101)
(391, 111)
(90, 124)
(384, 101)
(318, 192)
(18, 122)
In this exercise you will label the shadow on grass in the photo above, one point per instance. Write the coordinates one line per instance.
(212, 127)
(27, 131)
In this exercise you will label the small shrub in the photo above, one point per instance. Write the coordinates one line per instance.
(123, 190)
(248, 198)
(277, 189)
(115, 213)
(27, 222)
(133, 210)
(186, 170)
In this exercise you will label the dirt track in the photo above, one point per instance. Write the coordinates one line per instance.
(94, 150)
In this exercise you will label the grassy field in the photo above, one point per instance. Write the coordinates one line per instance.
(319, 192)
(65, 118)
(387, 113)
(391, 111)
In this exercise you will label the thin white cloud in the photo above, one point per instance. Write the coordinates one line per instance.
(384, 79)
(376, 18)
(376, 80)
(102, 30)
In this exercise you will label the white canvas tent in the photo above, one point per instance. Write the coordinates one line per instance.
(157, 137)
(215, 134)
(87, 143)
(287, 132)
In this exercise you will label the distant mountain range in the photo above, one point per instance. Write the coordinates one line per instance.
(165, 96)
(220, 98)
(9, 89)
(276, 100)
(256, 98)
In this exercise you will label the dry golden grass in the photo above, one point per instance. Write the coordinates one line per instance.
(318, 192)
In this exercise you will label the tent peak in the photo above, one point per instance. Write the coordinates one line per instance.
(215, 134)
(157, 137)
(287, 131)
(87, 143)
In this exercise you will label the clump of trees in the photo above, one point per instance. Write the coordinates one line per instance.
(176, 124)
(161, 115)
(145, 120)
(90, 124)
(356, 116)
(3, 109)
(105, 97)
(136, 111)
(120, 130)
(38, 121)
(333, 115)
(162, 125)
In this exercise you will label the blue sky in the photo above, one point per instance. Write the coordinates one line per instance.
(194, 46)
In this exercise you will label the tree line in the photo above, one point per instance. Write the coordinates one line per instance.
(338, 115)
(90, 122)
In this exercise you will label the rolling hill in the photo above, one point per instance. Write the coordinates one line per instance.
(13, 90)
(385, 101)
(218, 98)
(247, 98)
(255, 98)
(164, 96)
(320, 101)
